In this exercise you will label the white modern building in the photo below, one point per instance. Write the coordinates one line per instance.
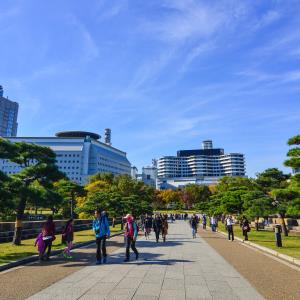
(148, 175)
(8, 116)
(79, 154)
(200, 166)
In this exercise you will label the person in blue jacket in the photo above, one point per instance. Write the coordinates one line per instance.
(102, 232)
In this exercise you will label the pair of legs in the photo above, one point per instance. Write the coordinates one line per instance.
(194, 231)
(245, 234)
(147, 232)
(213, 227)
(130, 243)
(101, 247)
(157, 232)
(67, 250)
(48, 245)
(230, 233)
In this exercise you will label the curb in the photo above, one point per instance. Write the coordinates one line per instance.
(35, 257)
(283, 257)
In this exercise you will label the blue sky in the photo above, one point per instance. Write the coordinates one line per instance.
(163, 75)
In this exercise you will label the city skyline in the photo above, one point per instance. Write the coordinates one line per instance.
(163, 75)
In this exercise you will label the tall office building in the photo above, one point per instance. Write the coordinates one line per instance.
(8, 116)
(201, 166)
(79, 154)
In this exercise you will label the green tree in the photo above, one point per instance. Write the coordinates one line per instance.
(283, 198)
(68, 191)
(294, 153)
(256, 204)
(38, 167)
(198, 195)
(271, 178)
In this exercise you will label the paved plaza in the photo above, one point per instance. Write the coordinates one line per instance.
(181, 268)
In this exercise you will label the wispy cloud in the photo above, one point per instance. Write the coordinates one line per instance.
(89, 45)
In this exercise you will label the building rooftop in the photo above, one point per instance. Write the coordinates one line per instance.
(77, 134)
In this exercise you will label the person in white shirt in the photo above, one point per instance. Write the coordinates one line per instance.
(229, 226)
(213, 223)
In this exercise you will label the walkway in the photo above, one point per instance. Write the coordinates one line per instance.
(182, 268)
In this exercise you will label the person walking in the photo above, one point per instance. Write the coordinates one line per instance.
(213, 223)
(131, 232)
(40, 245)
(204, 221)
(229, 226)
(157, 226)
(165, 227)
(48, 236)
(102, 233)
(194, 224)
(245, 228)
(148, 226)
(67, 238)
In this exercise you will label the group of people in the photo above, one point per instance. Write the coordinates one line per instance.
(101, 229)
(159, 224)
(47, 236)
(228, 221)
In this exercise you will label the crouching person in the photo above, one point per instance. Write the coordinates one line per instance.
(131, 232)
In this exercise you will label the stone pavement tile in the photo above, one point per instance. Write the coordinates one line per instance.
(219, 286)
(144, 297)
(192, 271)
(215, 276)
(194, 280)
(101, 289)
(148, 289)
(174, 275)
(92, 297)
(112, 277)
(172, 294)
(120, 294)
(129, 283)
(198, 292)
(219, 295)
(173, 284)
(150, 278)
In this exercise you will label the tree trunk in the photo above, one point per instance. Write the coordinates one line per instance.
(19, 219)
(285, 230)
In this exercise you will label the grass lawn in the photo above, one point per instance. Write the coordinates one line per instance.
(290, 244)
(9, 252)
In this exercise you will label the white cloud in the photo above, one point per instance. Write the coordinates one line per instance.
(89, 44)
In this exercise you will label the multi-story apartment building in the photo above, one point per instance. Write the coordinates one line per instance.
(205, 166)
(79, 155)
(8, 116)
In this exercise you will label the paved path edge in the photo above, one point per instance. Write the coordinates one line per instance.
(273, 254)
(33, 258)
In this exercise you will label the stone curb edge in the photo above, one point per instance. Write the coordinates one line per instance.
(33, 258)
(284, 257)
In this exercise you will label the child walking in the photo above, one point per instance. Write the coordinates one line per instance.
(39, 242)
(67, 238)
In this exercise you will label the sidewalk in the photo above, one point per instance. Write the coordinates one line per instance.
(181, 268)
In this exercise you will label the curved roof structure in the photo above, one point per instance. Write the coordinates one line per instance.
(77, 134)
